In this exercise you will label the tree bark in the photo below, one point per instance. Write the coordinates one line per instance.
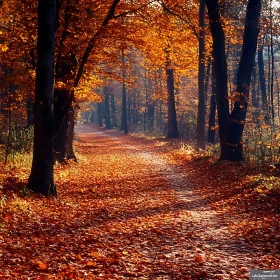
(41, 179)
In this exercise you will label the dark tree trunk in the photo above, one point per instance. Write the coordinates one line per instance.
(64, 126)
(41, 179)
(201, 121)
(246, 64)
(172, 126)
(221, 72)
(212, 113)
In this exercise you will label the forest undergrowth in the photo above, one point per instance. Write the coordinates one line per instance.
(134, 207)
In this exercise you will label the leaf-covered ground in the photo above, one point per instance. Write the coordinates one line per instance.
(137, 208)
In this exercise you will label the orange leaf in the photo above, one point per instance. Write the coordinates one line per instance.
(41, 265)
(91, 264)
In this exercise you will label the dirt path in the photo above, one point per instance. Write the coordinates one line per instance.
(124, 211)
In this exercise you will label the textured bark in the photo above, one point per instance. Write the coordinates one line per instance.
(41, 178)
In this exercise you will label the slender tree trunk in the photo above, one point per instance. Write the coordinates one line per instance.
(41, 179)
(255, 99)
(107, 108)
(246, 64)
(124, 110)
(262, 80)
(124, 123)
(172, 126)
(113, 109)
(212, 114)
(201, 121)
(99, 114)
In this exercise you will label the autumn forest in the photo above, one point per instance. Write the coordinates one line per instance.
(139, 139)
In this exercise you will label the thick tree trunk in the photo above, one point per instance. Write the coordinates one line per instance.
(41, 179)
(246, 64)
(201, 117)
(221, 72)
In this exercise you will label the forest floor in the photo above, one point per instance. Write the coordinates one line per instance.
(140, 208)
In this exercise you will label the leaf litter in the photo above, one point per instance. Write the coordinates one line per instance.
(138, 208)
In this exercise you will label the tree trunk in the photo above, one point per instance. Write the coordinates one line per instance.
(113, 108)
(124, 110)
(262, 79)
(107, 108)
(41, 179)
(255, 98)
(99, 114)
(201, 122)
(221, 72)
(124, 124)
(212, 114)
(246, 64)
(172, 126)
(64, 126)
